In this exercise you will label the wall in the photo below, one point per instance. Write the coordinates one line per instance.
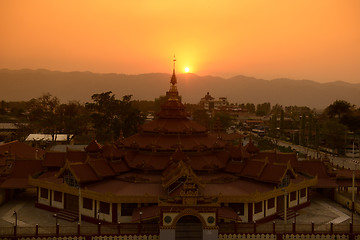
(346, 202)
(259, 215)
(104, 216)
(88, 212)
(2, 196)
(294, 202)
(245, 217)
(44, 200)
(57, 204)
(122, 219)
(270, 211)
(303, 199)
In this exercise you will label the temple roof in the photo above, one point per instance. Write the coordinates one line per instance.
(20, 150)
(93, 146)
(54, 159)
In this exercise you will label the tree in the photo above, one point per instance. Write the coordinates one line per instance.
(282, 123)
(74, 119)
(276, 109)
(302, 129)
(111, 117)
(43, 115)
(224, 119)
(333, 134)
(338, 109)
(263, 109)
(250, 107)
(273, 126)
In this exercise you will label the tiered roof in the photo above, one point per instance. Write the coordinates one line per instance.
(175, 161)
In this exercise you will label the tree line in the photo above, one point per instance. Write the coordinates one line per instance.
(105, 118)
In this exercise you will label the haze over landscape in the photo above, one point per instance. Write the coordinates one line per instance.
(315, 40)
(80, 86)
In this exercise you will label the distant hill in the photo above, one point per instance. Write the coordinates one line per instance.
(25, 84)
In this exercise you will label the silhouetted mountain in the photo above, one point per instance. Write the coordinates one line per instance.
(26, 84)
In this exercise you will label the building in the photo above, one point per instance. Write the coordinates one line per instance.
(18, 161)
(172, 172)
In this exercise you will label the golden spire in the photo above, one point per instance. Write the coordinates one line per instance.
(173, 78)
(173, 93)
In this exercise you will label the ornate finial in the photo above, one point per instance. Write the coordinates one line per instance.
(173, 77)
(174, 60)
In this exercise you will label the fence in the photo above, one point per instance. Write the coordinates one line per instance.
(125, 231)
(78, 230)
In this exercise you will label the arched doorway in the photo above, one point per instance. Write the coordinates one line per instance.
(189, 228)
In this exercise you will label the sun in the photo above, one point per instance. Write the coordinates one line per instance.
(187, 69)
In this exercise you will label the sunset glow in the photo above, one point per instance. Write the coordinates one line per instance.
(300, 39)
(186, 69)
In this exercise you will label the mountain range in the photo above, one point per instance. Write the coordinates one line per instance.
(19, 85)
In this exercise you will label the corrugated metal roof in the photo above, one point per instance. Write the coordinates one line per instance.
(47, 137)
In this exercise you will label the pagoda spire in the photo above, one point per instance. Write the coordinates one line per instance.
(173, 92)
(173, 77)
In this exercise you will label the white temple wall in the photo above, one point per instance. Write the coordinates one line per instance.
(245, 217)
(259, 215)
(45, 201)
(303, 199)
(88, 212)
(270, 211)
(57, 204)
(122, 219)
(104, 216)
(293, 203)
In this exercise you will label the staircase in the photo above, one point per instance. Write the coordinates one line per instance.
(290, 213)
(67, 215)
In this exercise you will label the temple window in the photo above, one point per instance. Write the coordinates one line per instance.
(293, 196)
(128, 208)
(271, 203)
(88, 203)
(104, 207)
(238, 208)
(303, 192)
(57, 196)
(44, 193)
(258, 207)
(70, 179)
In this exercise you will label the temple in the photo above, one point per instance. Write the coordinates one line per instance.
(173, 170)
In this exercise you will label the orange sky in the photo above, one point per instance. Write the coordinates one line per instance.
(300, 39)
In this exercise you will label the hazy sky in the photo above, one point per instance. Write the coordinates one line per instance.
(301, 39)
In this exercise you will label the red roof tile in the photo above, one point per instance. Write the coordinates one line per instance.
(111, 152)
(251, 148)
(313, 168)
(21, 150)
(83, 173)
(93, 146)
(119, 166)
(54, 159)
(228, 213)
(235, 167)
(122, 188)
(21, 170)
(273, 173)
(76, 156)
(279, 157)
(346, 173)
(101, 167)
(253, 169)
